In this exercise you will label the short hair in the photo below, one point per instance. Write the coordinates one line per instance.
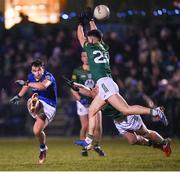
(83, 50)
(96, 33)
(37, 63)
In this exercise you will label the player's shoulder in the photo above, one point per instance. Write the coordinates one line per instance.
(105, 45)
(48, 75)
(102, 45)
(88, 45)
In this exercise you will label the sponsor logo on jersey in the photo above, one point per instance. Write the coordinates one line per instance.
(83, 76)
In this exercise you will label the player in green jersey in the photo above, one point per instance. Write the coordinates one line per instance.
(98, 57)
(131, 127)
(83, 76)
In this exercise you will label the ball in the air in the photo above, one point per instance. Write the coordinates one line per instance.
(101, 12)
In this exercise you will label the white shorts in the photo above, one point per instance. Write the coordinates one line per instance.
(48, 110)
(81, 110)
(107, 88)
(132, 123)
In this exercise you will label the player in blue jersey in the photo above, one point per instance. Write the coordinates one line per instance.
(43, 102)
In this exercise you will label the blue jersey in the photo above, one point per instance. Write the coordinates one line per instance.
(48, 95)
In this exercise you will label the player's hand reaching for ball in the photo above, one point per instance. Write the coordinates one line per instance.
(89, 13)
(81, 18)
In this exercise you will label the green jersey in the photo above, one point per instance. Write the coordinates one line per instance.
(83, 77)
(110, 111)
(98, 58)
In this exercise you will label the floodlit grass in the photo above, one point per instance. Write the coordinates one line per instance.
(22, 155)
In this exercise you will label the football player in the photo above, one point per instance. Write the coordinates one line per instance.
(82, 75)
(98, 58)
(43, 102)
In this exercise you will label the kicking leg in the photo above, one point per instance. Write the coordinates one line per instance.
(118, 102)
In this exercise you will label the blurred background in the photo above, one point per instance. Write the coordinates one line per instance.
(144, 40)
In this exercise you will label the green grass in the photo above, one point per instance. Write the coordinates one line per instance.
(22, 154)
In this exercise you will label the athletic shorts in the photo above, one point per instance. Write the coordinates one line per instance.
(81, 109)
(48, 110)
(107, 88)
(131, 123)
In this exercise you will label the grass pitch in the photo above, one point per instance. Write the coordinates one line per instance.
(22, 155)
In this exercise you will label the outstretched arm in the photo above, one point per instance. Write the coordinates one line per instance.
(92, 25)
(85, 90)
(16, 99)
(38, 85)
(80, 35)
(23, 91)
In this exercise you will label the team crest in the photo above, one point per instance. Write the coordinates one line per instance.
(89, 83)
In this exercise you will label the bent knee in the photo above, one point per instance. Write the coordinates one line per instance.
(146, 134)
(132, 141)
(37, 132)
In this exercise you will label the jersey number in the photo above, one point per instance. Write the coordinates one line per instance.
(99, 57)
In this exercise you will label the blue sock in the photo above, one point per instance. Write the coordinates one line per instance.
(42, 146)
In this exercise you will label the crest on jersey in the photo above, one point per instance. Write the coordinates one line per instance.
(48, 77)
(89, 83)
(74, 77)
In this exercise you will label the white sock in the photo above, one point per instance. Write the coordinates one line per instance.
(88, 140)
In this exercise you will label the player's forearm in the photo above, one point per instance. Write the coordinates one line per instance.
(92, 25)
(83, 89)
(85, 92)
(37, 85)
(23, 91)
(80, 35)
